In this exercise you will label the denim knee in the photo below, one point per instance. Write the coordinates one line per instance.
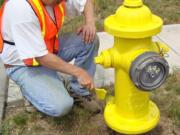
(94, 45)
(59, 108)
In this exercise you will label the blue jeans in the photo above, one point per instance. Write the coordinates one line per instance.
(43, 87)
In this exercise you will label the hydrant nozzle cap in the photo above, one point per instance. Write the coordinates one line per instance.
(98, 60)
(133, 3)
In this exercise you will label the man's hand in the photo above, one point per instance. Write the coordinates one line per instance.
(85, 79)
(54, 62)
(88, 32)
(89, 29)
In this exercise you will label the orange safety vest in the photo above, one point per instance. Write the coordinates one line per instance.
(49, 28)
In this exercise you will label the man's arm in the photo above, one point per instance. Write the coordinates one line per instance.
(54, 62)
(88, 29)
(29, 42)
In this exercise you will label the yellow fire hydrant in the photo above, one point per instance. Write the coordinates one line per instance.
(139, 67)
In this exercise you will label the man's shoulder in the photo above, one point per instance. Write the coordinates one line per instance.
(19, 11)
(15, 5)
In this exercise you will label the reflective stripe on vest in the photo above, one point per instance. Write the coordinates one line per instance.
(49, 28)
(39, 12)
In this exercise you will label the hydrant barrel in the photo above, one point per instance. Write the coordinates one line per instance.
(130, 102)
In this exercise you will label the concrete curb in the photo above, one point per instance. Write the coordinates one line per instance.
(3, 90)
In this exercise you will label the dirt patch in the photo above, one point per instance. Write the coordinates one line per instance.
(78, 122)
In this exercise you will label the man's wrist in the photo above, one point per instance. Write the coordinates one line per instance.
(90, 22)
(77, 71)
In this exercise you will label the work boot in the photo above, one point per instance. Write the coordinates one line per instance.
(28, 106)
(87, 102)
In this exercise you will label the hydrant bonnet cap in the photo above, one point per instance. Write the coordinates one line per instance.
(133, 21)
(133, 3)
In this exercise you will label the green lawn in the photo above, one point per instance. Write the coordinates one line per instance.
(168, 10)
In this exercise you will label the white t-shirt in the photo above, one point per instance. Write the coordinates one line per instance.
(21, 26)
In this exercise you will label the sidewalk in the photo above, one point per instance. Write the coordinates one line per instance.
(169, 35)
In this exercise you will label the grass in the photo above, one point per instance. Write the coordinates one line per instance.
(166, 9)
(18, 122)
(20, 119)
(168, 97)
(1, 1)
(175, 113)
(78, 121)
(82, 122)
(103, 8)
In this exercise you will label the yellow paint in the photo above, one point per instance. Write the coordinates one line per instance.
(133, 3)
(133, 25)
(38, 5)
(62, 11)
(100, 93)
(35, 63)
